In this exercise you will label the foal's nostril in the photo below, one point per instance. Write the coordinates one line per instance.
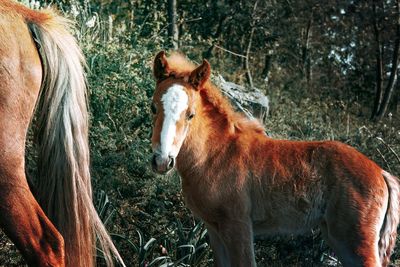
(161, 164)
(171, 162)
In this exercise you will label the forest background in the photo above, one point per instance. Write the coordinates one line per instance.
(328, 67)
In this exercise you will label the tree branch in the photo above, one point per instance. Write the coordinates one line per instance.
(393, 72)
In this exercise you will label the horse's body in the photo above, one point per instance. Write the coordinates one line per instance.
(61, 230)
(242, 183)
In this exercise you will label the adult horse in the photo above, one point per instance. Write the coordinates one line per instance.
(41, 66)
(242, 183)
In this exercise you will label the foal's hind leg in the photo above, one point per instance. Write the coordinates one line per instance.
(25, 223)
(352, 252)
(353, 235)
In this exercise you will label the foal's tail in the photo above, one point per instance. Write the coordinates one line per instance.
(389, 228)
(64, 186)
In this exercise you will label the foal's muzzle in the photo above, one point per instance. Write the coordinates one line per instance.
(161, 164)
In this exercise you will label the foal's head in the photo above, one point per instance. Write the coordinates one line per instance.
(174, 109)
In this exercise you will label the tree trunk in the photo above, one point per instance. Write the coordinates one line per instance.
(396, 106)
(379, 65)
(173, 33)
(267, 65)
(393, 72)
(305, 53)
(216, 37)
(247, 64)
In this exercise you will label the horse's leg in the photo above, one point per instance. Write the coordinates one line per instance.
(25, 223)
(219, 251)
(340, 247)
(237, 235)
(354, 238)
(21, 217)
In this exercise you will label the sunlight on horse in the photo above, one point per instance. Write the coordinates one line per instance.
(39, 57)
(242, 183)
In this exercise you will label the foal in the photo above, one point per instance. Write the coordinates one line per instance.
(242, 183)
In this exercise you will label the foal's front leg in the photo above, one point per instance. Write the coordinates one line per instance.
(237, 235)
(219, 250)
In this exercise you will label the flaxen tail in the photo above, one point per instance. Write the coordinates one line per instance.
(64, 186)
(389, 228)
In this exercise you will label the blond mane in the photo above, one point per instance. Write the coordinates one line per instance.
(180, 66)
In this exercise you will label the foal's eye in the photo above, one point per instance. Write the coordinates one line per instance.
(153, 109)
(190, 116)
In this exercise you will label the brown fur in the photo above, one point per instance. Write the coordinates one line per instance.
(242, 183)
(55, 72)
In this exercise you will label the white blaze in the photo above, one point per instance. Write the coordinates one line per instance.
(175, 101)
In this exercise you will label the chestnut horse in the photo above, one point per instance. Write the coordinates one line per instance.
(242, 183)
(39, 57)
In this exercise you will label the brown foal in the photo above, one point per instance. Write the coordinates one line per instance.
(242, 183)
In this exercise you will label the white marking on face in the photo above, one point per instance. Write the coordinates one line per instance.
(175, 101)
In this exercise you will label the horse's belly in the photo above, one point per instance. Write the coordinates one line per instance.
(283, 227)
(294, 216)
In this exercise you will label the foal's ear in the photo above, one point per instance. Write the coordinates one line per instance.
(160, 67)
(200, 75)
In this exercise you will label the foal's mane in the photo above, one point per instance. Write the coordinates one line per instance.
(181, 67)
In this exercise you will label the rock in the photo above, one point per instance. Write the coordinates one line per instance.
(251, 102)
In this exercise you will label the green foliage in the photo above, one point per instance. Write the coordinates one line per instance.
(179, 246)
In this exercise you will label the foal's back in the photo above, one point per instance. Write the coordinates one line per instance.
(302, 180)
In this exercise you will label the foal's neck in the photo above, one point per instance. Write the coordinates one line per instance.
(207, 138)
